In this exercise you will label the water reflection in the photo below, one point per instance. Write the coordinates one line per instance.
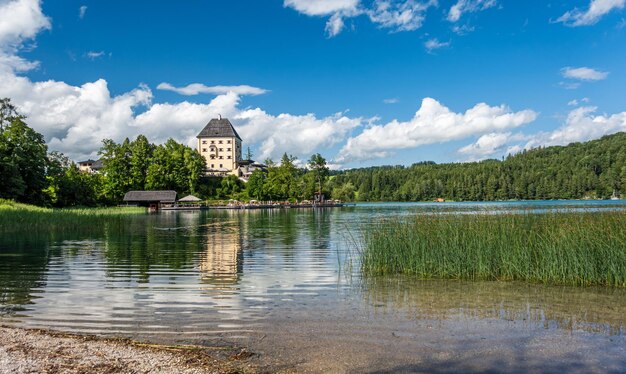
(597, 310)
(222, 261)
(23, 262)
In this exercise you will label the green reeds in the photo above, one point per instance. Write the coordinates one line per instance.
(23, 217)
(587, 248)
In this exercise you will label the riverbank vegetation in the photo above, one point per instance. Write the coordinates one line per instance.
(578, 249)
(24, 217)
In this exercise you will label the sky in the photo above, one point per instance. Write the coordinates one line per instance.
(362, 82)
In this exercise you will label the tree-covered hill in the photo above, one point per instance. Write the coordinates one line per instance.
(595, 169)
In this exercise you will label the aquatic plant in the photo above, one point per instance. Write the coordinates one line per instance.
(587, 248)
(17, 216)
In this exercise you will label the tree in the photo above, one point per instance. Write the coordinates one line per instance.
(8, 113)
(256, 185)
(175, 166)
(345, 192)
(281, 180)
(317, 164)
(230, 187)
(140, 155)
(23, 158)
(68, 186)
(116, 168)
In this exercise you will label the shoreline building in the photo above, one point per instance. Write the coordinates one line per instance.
(220, 145)
(90, 166)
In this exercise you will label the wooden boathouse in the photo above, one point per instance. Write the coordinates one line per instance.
(153, 200)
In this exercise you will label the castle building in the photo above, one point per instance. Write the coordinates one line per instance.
(220, 145)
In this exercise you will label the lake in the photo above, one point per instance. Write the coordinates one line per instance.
(286, 283)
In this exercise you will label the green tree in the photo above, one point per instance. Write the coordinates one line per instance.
(282, 180)
(23, 158)
(317, 164)
(140, 156)
(256, 185)
(175, 166)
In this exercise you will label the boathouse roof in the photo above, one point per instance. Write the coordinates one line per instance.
(190, 198)
(150, 196)
(219, 128)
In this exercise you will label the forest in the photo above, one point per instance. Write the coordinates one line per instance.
(592, 170)
(30, 174)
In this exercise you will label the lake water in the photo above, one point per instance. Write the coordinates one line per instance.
(286, 284)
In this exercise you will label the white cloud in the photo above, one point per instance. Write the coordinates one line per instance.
(199, 88)
(432, 44)
(19, 20)
(273, 135)
(584, 74)
(597, 9)
(486, 146)
(334, 25)
(392, 100)
(462, 29)
(581, 125)
(92, 55)
(468, 6)
(336, 9)
(81, 11)
(575, 102)
(400, 15)
(322, 7)
(300, 135)
(432, 123)
(75, 119)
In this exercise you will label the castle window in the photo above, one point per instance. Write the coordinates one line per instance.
(221, 149)
(221, 157)
(203, 149)
(212, 157)
(220, 142)
(221, 165)
(212, 165)
(212, 141)
(228, 149)
(204, 142)
(228, 141)
(229, 157)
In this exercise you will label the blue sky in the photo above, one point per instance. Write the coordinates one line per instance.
(361, 82)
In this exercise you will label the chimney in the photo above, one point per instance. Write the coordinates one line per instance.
(219, 116)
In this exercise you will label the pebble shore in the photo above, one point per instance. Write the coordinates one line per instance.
(40, 351)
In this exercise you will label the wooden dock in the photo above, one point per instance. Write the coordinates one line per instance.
(243, 206)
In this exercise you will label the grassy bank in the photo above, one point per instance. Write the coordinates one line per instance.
(17, 216)
(560, 248)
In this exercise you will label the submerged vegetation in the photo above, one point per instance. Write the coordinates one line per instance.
(20, 217)
(558, 248)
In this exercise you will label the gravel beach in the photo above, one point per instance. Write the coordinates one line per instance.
(39, 351)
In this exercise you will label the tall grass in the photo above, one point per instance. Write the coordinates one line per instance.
(580, 249)
(23, 217)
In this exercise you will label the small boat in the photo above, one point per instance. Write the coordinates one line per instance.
(614, 196)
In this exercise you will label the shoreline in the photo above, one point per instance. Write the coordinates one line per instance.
(24, 350)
